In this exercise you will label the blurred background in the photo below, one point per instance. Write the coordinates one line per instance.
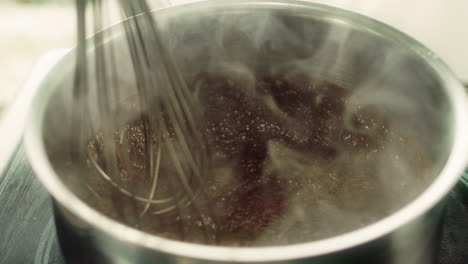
(29, 28)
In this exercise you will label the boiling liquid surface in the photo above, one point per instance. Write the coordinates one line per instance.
(289, 163)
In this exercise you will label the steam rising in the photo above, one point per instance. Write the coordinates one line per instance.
(373, 157)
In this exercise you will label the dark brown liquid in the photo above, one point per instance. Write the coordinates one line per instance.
(241, 126)
(287, 165)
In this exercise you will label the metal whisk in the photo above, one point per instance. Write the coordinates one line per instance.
(170, 119)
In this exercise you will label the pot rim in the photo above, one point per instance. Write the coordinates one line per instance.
(438, 189)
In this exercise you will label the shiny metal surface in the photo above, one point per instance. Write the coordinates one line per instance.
(404, 237)
(29, 236)
(12, 121)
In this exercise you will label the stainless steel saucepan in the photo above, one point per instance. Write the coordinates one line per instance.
(350, 50)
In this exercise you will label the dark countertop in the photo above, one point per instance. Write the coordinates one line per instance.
(27, 231)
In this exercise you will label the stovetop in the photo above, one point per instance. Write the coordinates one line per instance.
(27, 230)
